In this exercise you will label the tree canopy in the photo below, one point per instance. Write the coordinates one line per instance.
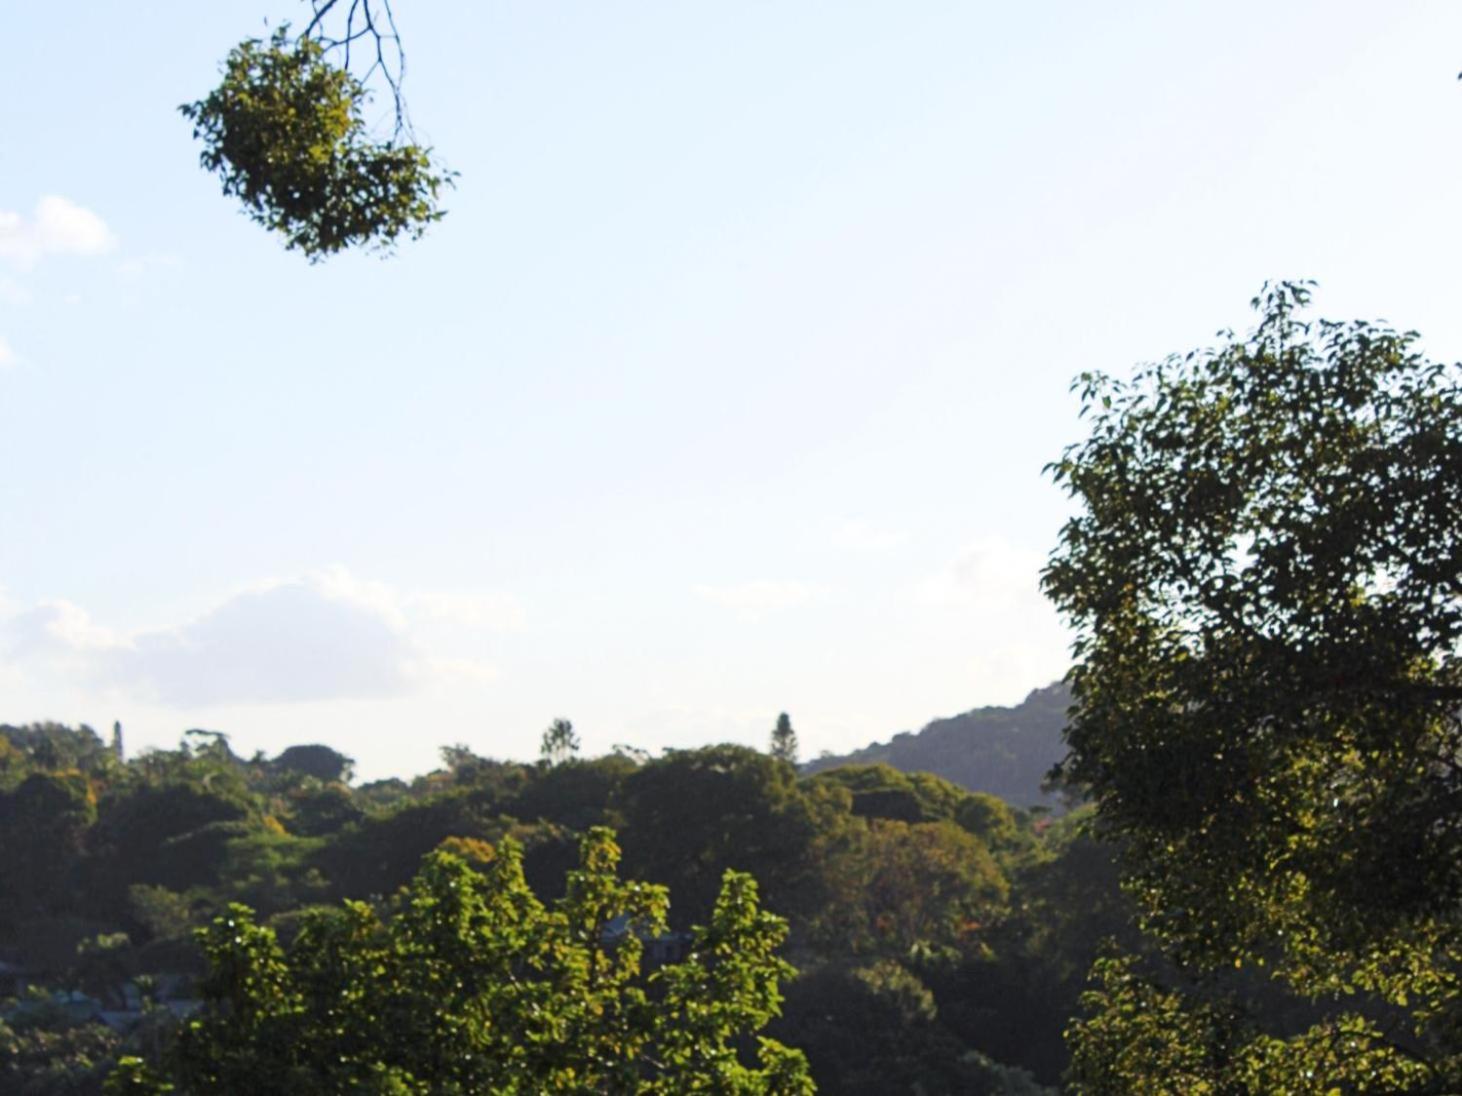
(1265, 577)
(470, 984)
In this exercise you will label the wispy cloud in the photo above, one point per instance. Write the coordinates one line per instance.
(56, 628)
(986, 574)
(57, 226)
(995, 587)
(7, 355)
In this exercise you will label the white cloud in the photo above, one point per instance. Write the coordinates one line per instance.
(7, 355)
(759, 597)
(56, 628)
(995, 587)
(986, 574)
(58, 226)
(488, 610)
(293, 642)
(327, 636)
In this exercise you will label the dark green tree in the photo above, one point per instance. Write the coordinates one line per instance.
(52, 747)
(873, 1030)
(694, 813)
(784, 740)
(1265, 578)
(560, 743)
(54, 1056)
(881, 791)
(321, 762)
(896, 888)
(43, 827)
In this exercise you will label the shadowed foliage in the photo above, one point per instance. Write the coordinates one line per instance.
(1265, 576)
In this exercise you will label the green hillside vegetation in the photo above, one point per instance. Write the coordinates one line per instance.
(934, 932)
(1006, 752)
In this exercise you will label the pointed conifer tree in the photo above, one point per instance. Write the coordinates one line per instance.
(784, 740)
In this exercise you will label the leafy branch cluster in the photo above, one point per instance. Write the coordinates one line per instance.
(286, 133)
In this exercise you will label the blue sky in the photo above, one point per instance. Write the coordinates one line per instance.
(724, 389)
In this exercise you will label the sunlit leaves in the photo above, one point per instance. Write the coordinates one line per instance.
(1142, 1037)
(468, 983)
(285, 132)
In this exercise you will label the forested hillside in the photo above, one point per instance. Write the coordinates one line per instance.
(940, 937)
(1002, 751)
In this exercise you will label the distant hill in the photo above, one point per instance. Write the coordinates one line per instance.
(1003, 751)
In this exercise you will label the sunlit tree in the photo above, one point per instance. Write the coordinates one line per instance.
(468, 983)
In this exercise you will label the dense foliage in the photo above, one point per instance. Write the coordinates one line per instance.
(1266, 579)
(470, 984)
(935, 931)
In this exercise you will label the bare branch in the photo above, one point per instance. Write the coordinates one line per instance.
(375, 22)
(322, 9)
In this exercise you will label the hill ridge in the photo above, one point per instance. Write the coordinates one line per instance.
(1005, 751)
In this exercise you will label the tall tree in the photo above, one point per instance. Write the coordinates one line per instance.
(560, 742)
(784, 739)
(1265, 578)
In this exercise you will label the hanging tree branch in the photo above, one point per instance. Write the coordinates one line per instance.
(286, 133)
